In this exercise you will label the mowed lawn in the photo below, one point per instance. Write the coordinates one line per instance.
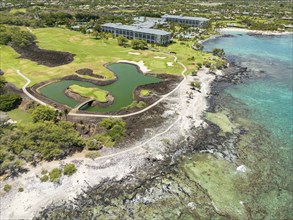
(94, 93)
(90, 53)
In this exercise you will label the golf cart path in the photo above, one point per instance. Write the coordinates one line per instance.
(24, 88)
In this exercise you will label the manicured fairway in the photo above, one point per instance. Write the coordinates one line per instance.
(94, 93)
(90, 53)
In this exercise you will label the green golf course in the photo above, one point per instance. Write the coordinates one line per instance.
(129, 78)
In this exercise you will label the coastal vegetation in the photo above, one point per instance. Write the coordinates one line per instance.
(20, 189)
(43, 113)
(114, 128)
(144, 92)
(69, 169)
(136, 104)
(32, 143)
(55, 175)
(8, 101)
(7, 187)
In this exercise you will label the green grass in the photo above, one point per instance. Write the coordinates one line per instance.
(144, 92)
(15, 10)
(20, 116)
(136, 104)
(94, 93)
(90, 53)
(184, 51)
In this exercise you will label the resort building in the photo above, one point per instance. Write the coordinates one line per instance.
(191, 21)
(135, 32)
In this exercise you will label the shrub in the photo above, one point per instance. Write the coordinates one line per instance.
(94, 144)
(115, 130)
(207, 64)
(2, 83)
(218, 52)
(196, 84)
(44, 178)
(122, 41)
(36, 142)
(199, 65)
(20, 189)
(16, 36)
(44, 172)
(44, 113)
(69, 169)
(9, 102)
(55, 175)
(92, 154)
(105, 140)
(139, 45)
(136, 104)
(7, 188)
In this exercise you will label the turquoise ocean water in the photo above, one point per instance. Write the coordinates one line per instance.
(267, 100)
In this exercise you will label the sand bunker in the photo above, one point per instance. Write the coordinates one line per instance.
(140, 64)
(133, 53)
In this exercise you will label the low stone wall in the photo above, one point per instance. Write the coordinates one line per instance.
(56, 105)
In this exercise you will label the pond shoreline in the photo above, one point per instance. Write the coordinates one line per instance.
(199, 139)
(160, 88)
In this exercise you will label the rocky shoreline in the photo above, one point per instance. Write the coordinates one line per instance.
(181, 133)
(132, 189)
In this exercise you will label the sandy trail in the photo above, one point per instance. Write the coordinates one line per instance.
(116, 165)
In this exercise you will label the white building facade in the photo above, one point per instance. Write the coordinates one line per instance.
(134, 32)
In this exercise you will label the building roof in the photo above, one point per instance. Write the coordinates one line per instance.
(136, 28)
(185, 17)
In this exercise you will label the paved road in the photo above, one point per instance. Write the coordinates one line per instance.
(107, 116)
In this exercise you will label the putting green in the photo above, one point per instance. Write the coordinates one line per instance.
(129, 78)
(90, 53)
(94, 93)
(93, 54)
